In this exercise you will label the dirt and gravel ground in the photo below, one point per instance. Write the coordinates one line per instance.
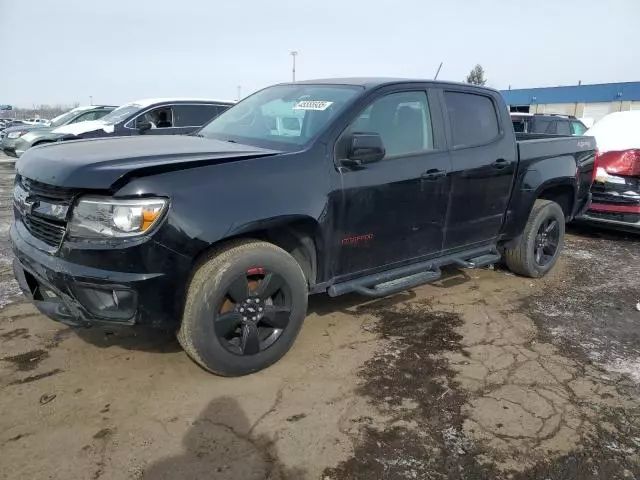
(482, 375)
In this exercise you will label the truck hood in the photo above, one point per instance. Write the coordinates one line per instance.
(99, 163)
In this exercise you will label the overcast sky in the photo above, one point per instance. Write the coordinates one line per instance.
(63, 51)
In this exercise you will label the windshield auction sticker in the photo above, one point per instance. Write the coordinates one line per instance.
(312, 105)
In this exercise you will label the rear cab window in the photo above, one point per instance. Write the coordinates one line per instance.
(472, 117)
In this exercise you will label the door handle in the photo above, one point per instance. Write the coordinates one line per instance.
(500, 163)
(433, 174)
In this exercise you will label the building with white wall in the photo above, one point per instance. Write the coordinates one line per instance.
(582, 101)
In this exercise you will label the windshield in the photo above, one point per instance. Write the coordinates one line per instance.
(64, 118)
(289, 114)
(120, 113)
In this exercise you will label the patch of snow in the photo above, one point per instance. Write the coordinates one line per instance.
(455, 441)
(84, 127)
(628, 366)
(8, 292)
(579, 254)
(617, 131)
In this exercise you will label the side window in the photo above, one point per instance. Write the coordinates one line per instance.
(195, 115)
(101, 113)
(402, 120)
(563, 127)
(552, 127)
(160, 117)
(85, 117)
(578, 128)
(541, 125)
(473, 118)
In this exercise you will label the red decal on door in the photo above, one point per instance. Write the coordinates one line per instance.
(357, 239)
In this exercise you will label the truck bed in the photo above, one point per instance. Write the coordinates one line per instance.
(539, 145)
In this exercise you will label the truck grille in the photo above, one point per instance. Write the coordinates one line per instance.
(47, 192)
(47, 230)
(43, 229)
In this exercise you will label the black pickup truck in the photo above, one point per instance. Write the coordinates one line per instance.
(222, 235)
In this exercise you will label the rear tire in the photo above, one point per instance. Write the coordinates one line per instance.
(217, 331)
(531, 256)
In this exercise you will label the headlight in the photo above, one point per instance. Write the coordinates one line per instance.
(17, 134)
(103, 217)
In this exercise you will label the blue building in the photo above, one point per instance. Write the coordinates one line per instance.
(583, 101)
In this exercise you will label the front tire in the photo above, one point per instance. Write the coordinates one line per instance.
(244, 308)
(539, 247)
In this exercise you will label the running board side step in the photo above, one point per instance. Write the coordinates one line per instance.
(403, 278)
(399, 284)
(481, 261)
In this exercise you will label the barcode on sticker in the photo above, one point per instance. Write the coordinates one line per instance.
(312, 105)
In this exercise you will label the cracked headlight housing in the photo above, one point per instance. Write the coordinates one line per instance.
(105, 217)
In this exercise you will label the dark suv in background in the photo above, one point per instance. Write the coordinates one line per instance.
(158, 116)
(552, 124)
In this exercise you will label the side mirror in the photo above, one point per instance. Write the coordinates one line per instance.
(365, 148)
(144, 126)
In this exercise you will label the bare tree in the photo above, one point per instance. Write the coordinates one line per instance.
(476, 76)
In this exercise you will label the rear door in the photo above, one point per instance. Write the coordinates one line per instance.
(483, 162)
(393, 211)
(190, 117)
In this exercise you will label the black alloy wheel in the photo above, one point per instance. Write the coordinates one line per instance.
(546, 242)
(254, 312)
(537, 249)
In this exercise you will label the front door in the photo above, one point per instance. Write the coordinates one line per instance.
(483, 162)
(162, 120)
(393, 211)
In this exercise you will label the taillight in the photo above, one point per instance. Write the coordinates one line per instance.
(596, 164)
(626, 162)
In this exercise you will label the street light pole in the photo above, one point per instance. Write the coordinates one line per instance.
(293, 56)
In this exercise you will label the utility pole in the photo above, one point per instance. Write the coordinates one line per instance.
(293, 55)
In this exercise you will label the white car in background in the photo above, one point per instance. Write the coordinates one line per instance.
(616, 189)
(37, 121)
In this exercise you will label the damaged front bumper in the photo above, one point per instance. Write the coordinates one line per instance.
(616, 203)
(82, 294)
